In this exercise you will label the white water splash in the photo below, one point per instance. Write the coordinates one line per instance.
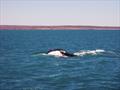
(89, 52)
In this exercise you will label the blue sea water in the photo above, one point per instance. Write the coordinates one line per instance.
(21, 69)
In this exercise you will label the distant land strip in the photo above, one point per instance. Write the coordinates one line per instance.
(61, 27)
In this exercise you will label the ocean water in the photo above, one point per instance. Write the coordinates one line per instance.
(23, 67)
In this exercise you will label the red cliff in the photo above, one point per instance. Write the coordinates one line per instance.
(67, 27)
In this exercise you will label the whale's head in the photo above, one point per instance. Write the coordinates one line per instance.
(60, 53)
(57, 52)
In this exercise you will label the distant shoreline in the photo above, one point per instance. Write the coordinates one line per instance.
(61, 27)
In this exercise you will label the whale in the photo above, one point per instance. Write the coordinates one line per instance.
(60, 53)
(64, 53)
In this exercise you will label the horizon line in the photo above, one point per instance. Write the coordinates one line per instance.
(62, 25)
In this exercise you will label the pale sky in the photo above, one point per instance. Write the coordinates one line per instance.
(60, 12)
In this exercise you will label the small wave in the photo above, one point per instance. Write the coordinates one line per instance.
(39, 54)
